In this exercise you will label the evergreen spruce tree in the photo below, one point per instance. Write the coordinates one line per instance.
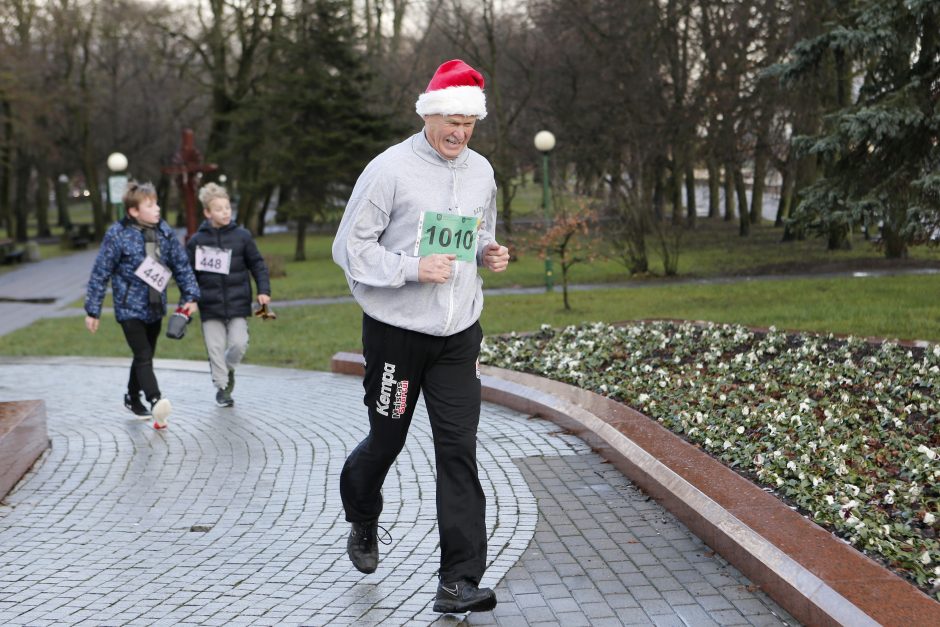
(880, 152)
(325, 122)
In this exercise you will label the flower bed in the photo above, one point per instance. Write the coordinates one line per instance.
(845, 430)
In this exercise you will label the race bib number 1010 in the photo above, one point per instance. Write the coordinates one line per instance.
(445, 233)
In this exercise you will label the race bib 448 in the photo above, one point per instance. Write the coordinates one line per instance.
(446, 233)
(211, 259)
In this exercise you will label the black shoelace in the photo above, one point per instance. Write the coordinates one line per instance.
(368, 530)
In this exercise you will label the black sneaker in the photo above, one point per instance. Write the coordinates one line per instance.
(230, 386)
(463, 596)
(136, 406)
(363, 546)
(223, 398)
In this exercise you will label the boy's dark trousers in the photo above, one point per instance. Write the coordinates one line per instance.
(400, 364)
(142, 338)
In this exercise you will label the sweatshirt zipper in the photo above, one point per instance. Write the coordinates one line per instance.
(453, 284)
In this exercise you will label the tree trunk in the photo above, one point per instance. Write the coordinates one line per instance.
(786, 195)
(675, 191)
(246, 210)
(6, 166)
(42, 204)
(299, 254)
(658, 192)
(729, 194)
(97, 208)
(263, 212)
(744, 223)
(20, 196)
(691, 206)
(761, 158)
(714, 188)
(895, 245)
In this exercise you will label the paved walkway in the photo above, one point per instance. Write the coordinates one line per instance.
(231, 516)
(42, 289)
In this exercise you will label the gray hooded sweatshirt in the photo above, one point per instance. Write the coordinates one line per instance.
(376, 244)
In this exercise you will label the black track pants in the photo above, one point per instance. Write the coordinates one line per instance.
(399, 365)
(142, 338)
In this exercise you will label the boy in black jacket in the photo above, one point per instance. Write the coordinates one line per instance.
(223, 254)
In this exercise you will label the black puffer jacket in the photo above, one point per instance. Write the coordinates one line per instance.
(226, 296)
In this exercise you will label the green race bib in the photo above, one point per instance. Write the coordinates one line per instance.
(446, 233)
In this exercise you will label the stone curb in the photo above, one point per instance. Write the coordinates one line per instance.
(817, 577)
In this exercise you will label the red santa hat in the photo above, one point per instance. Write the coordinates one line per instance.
(455, 89)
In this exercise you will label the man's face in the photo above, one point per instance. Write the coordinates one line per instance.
(449, 134)
(147, 212)
(219, 212)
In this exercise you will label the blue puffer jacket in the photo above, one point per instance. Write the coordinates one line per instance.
(122, 251)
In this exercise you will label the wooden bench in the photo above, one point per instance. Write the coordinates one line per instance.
(23, 438)
(79, 236)
(9, 253)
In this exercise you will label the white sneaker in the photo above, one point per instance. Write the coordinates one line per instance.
(160, 410)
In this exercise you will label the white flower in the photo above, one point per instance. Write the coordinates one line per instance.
(708, 441)
(740, 430)
(726, 445)
(759, 460)
(830, 500)
(929, 518)
(791, 465)
(925, 558)
(929, 452)
(746, 411)
(889, 497)
(853, 489)
(643, 398)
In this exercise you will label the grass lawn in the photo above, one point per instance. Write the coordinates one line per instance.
(714, 249)
(903, 307)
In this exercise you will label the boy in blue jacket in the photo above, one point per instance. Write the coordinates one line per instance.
(225, 258)
(138, 255)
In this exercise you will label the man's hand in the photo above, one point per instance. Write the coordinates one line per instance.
(264, 299)
(435, 268)
(496, 257)
(91, 324)
(190, 308)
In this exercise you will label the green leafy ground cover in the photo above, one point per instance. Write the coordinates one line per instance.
(845, 430)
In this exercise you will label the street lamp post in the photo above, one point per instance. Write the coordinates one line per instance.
(544, 143)
(61, 201)
(117, 182)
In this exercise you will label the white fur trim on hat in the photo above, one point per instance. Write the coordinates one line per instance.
(460, 100)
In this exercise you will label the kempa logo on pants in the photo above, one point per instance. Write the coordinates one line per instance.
(385, 394)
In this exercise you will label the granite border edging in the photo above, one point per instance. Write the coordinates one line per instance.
(23, 439)
(817, 577)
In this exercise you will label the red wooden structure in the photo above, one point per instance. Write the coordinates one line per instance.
(188, 168)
